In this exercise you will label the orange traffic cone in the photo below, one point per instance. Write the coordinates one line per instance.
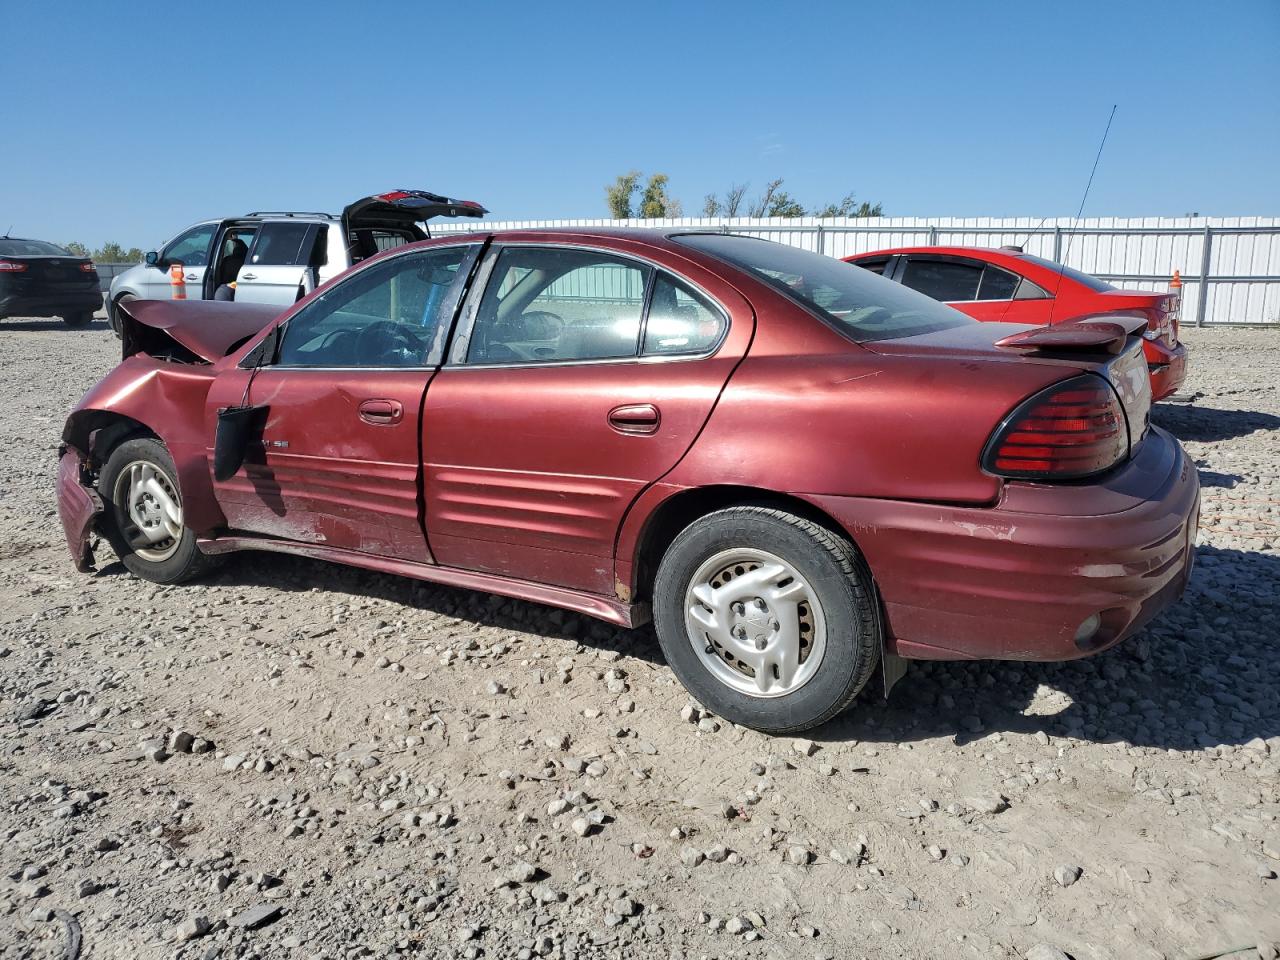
(177, 285)
(1175, 285)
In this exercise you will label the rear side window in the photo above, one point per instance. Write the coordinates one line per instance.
(680, 320)
(997, 284)
(550, 304)
(280, 244)
(1029, 291)
(945, 280)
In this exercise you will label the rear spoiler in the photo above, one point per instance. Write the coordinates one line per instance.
(1103, 335)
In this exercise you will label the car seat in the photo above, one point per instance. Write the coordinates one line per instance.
(229, 267)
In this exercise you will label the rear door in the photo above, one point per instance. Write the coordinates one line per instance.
(577, 378)
(274, 270)
(338, 462)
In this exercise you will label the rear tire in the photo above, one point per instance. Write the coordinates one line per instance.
(768, 619)
(77, 321)
(142, 518)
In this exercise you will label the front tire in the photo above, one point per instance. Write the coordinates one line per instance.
(770, 620)
(113, 315)
(143, 517)
(77, 321)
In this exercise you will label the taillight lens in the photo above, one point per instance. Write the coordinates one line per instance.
(1073, 429)
(88, 267)
(12, 266)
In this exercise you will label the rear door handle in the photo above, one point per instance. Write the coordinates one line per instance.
(381, 412)
(635, 418)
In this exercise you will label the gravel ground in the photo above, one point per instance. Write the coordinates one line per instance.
(293, 759)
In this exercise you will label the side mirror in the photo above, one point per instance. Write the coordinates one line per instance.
(152, 258)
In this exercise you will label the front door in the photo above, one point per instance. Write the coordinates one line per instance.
(339, 462)
(577, 379)
(191, 249)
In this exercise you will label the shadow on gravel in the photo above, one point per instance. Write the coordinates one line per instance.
(1204, 674)
(1212, 478)
(51, 325)
(1206, 424)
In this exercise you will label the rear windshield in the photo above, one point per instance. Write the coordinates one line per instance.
(31, 248)
(1093, 283)
(855, 301)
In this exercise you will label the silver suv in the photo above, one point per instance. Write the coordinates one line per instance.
(278, 258)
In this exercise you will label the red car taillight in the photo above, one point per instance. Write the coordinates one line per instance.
(88, 267)
(12, 266)
(1070, 430)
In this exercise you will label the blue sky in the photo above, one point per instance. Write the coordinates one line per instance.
(128, 122)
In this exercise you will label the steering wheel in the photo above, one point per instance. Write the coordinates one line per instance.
(385, 340)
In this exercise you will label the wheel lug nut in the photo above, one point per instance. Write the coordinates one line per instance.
(760, 604)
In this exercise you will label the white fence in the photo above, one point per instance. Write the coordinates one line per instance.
(1230, 265)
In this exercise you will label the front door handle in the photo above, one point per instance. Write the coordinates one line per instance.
(250, 276)
(192, 278)
(635, 418)
(381, 412)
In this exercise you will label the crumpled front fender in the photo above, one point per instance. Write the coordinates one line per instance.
(78, 507)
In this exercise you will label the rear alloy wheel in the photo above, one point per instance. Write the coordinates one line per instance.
(769, 620)
(78, 320)
(143, 517)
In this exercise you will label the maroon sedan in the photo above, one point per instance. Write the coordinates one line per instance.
(1010, 286)
(800, 471)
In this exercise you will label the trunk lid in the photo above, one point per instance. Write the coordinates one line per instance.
(401, 209)
(57, 273)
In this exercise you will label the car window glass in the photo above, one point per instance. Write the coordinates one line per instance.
(875, 266)
(10, 247)
(1029, 291)
(859, 305)
(279, 244)
(546, 304)
(997, 284)
(392, 314)
(944, 280)
(680, 320)
(191, 249)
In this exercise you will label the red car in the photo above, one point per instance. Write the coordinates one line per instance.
(1009, 286)
(801, 471)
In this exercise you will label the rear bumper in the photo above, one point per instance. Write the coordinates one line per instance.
(1016, 581)
(50, 305)
(78, 508)
(1168, 367)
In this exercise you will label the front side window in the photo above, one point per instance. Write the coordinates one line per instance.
(280, 244)
(854, 301)
(395, 313)
(680, 320)
(191, 249)
(947, 280)
(549, 304)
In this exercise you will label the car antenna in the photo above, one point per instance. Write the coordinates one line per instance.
(1062, 265)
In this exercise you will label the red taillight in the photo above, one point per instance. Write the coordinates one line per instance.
(88, 267)
(12, 266)
(1073, 429)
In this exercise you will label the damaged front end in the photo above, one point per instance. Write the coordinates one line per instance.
(78, 505)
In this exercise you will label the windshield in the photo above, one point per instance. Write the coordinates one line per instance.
(31, 248)
(1093, 283)
(856, 302)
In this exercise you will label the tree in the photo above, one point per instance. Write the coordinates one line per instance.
(655, 202)
(133, 255)
(619, 195)
(733, 198)
(765, 199)
(711, 205)
(848, 207)
(78, 248)
(110, 252)
(784, 205)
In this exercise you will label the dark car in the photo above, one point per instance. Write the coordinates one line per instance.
(798, 469)
(42, 279)
(1010, 286)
